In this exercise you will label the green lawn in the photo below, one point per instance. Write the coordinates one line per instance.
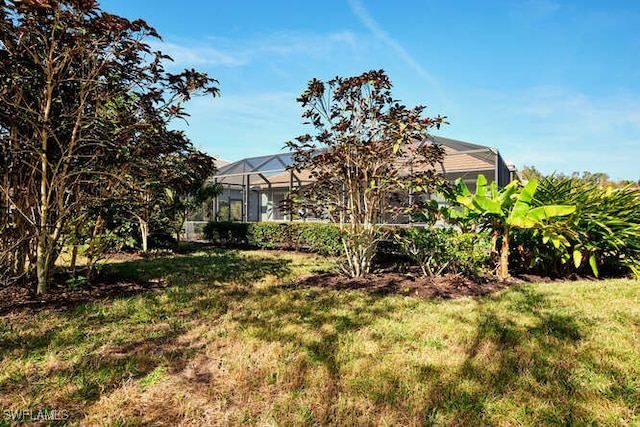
(233, 340)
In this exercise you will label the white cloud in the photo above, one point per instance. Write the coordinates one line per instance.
(223, 52)
(558, 129)
(581, 116)
(367, 20)
(203, 55)
(290, 43)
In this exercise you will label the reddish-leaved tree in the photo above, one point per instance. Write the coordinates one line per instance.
(83, 99)
(366, 145)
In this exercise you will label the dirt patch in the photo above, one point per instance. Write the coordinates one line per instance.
(16, 299)
(448, 286)
(61, 297)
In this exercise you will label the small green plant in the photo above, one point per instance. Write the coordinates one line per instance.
(77, 282)
(470, 251)
(424, 246)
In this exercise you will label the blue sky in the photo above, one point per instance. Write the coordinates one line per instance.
(553, 84)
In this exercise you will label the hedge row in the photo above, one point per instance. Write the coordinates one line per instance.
(320, 238)
(434, 250)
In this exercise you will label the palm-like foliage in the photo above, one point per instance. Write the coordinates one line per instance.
(507, 209)
(605, 229)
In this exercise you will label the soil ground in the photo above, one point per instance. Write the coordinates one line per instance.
(16, 299)
(412, 284)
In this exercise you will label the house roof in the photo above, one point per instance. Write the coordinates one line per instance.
(461, 158)
(263, 164)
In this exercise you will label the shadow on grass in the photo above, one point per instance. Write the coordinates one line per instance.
(520, 348)
(523, 352)
(70, 371)
(315, 321)
(142, 276)
(221, 266)
(98, 344)
(529, 363)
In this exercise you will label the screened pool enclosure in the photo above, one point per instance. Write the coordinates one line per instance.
(255, 188)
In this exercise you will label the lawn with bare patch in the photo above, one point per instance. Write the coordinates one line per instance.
(231, 337)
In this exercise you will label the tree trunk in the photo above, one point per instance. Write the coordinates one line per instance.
(503, 263)
(359, 251)
(41, 264)
(144, 231)
(42, 272)
(74, 259)
(19, 267)
(94, 244)
(74, 250)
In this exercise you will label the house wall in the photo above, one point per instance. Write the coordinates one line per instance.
(505, 174)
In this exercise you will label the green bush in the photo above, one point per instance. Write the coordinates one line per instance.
(268, 235)
(471, 252)
(320, 238)
(227, 233)
(443, 250)
(603, 233)
(324, 239)
(434, 250)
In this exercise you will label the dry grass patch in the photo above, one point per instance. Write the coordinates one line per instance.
(232, 339)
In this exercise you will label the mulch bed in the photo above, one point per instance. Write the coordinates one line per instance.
(386, 283)
(15, 299)
(60, 297)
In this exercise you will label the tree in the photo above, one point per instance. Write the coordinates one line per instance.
(81, 91)
(527, 173)
(506, 209)
(365, 146)
(162, 195)
(189, 199)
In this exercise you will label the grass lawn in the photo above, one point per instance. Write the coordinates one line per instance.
(231, 340)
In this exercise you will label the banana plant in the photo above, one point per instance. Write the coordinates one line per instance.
(504, 209)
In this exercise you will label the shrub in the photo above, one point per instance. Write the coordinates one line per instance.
(163, 241)
(603, 233)
(471, 252)
(324, 239)
(434, 250)
(320, 238)
(269, 235)
(444, 250)
(227, 233)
